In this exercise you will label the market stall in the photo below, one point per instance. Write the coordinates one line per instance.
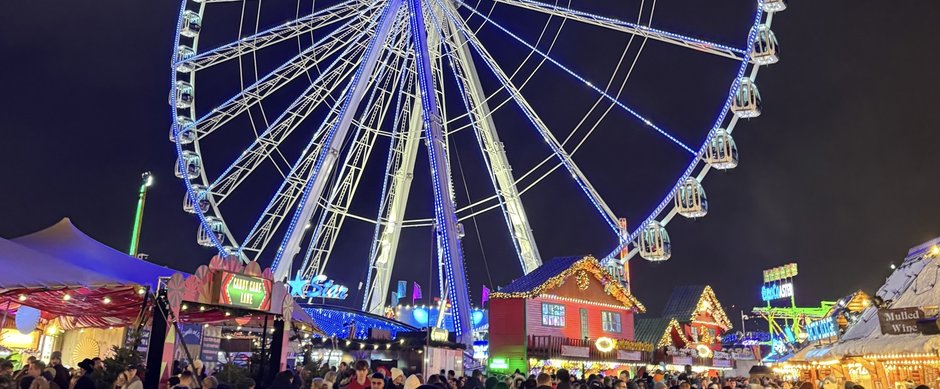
(894, 342)
(689, 331)
(570, 312)
(67, 292)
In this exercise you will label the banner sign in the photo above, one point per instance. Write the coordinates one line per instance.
(320, 287)
(439, 335)
(822, 329)
(239, 290)
(899, 321)
(780, 272)
(776, 291)
(629, 355)
(575, 351)
(211, 344)
(721, 362)
(721, 355)
(682, 360)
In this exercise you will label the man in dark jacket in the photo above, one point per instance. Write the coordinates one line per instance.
(62, 376)
(475, 381)
(564, 379)
(544, 381)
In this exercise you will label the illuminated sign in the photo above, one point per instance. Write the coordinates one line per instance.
(439, 335)
(605, 344)
(900, 320)
(703, 351)
(776, 291)
(780, 272)
(499, 363)
(319, 287)
(243, 291)
(821, 329)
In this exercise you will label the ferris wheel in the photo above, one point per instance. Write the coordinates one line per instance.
(324, 87)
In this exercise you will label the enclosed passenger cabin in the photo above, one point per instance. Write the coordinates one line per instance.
(765, 51)
(191, 24)
(198, 202)
(184, 126)
(185, 96)
(775, 5)
(216, 228)
(653, 243)
(183, 54)
(721, 153)
(189, 165)
(690, 199)
(746, 102)
(236, 252)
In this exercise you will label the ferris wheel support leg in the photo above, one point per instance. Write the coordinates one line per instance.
(391, 232)
(450, 253)
(327, 159)
(511, 203)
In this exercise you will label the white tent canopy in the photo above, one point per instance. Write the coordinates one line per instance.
(63, 256)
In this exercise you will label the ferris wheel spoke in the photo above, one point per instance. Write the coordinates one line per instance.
(267, 142)
(578, 77)
(342, 193)
(687, 42)
(317, 20)
(396, 188)
(270, 83)
(494, 154)
(335, 137)
(287, 194)
(606, 213)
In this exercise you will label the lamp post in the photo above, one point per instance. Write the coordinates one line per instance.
(146, 180)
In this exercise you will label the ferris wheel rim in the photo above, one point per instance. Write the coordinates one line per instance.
(215, 211)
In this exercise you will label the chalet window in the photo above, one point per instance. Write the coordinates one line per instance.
(553, 315)
(610, 321)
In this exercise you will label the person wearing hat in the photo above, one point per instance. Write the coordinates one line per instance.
(131, 380)
(397, 378)
(412, 382)
(85, 381)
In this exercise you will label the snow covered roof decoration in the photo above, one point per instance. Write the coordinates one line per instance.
(913, 284)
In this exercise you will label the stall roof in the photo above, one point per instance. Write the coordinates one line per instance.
(27, 268)
(913, 284)
(64, 256)
(337, 321)
(650, 330)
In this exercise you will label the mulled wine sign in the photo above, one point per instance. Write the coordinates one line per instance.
(242, 291)
(900, 320)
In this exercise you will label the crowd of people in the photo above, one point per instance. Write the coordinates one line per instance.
(37, 374)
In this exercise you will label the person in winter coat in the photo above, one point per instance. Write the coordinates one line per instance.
(85, 381)
(131, 380)
(282, 380)
(397, 379)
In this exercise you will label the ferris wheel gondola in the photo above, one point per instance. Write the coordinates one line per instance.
(392, 74)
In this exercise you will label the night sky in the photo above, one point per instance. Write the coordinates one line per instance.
(839, 174)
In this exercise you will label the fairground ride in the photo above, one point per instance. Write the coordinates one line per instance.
(322, 84)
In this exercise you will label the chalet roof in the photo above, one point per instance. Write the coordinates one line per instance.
(553, 272)
(650, 330)
(540, 275)
(682, 302)
(685, 300)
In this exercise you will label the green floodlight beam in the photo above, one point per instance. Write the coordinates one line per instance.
(146, 181)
